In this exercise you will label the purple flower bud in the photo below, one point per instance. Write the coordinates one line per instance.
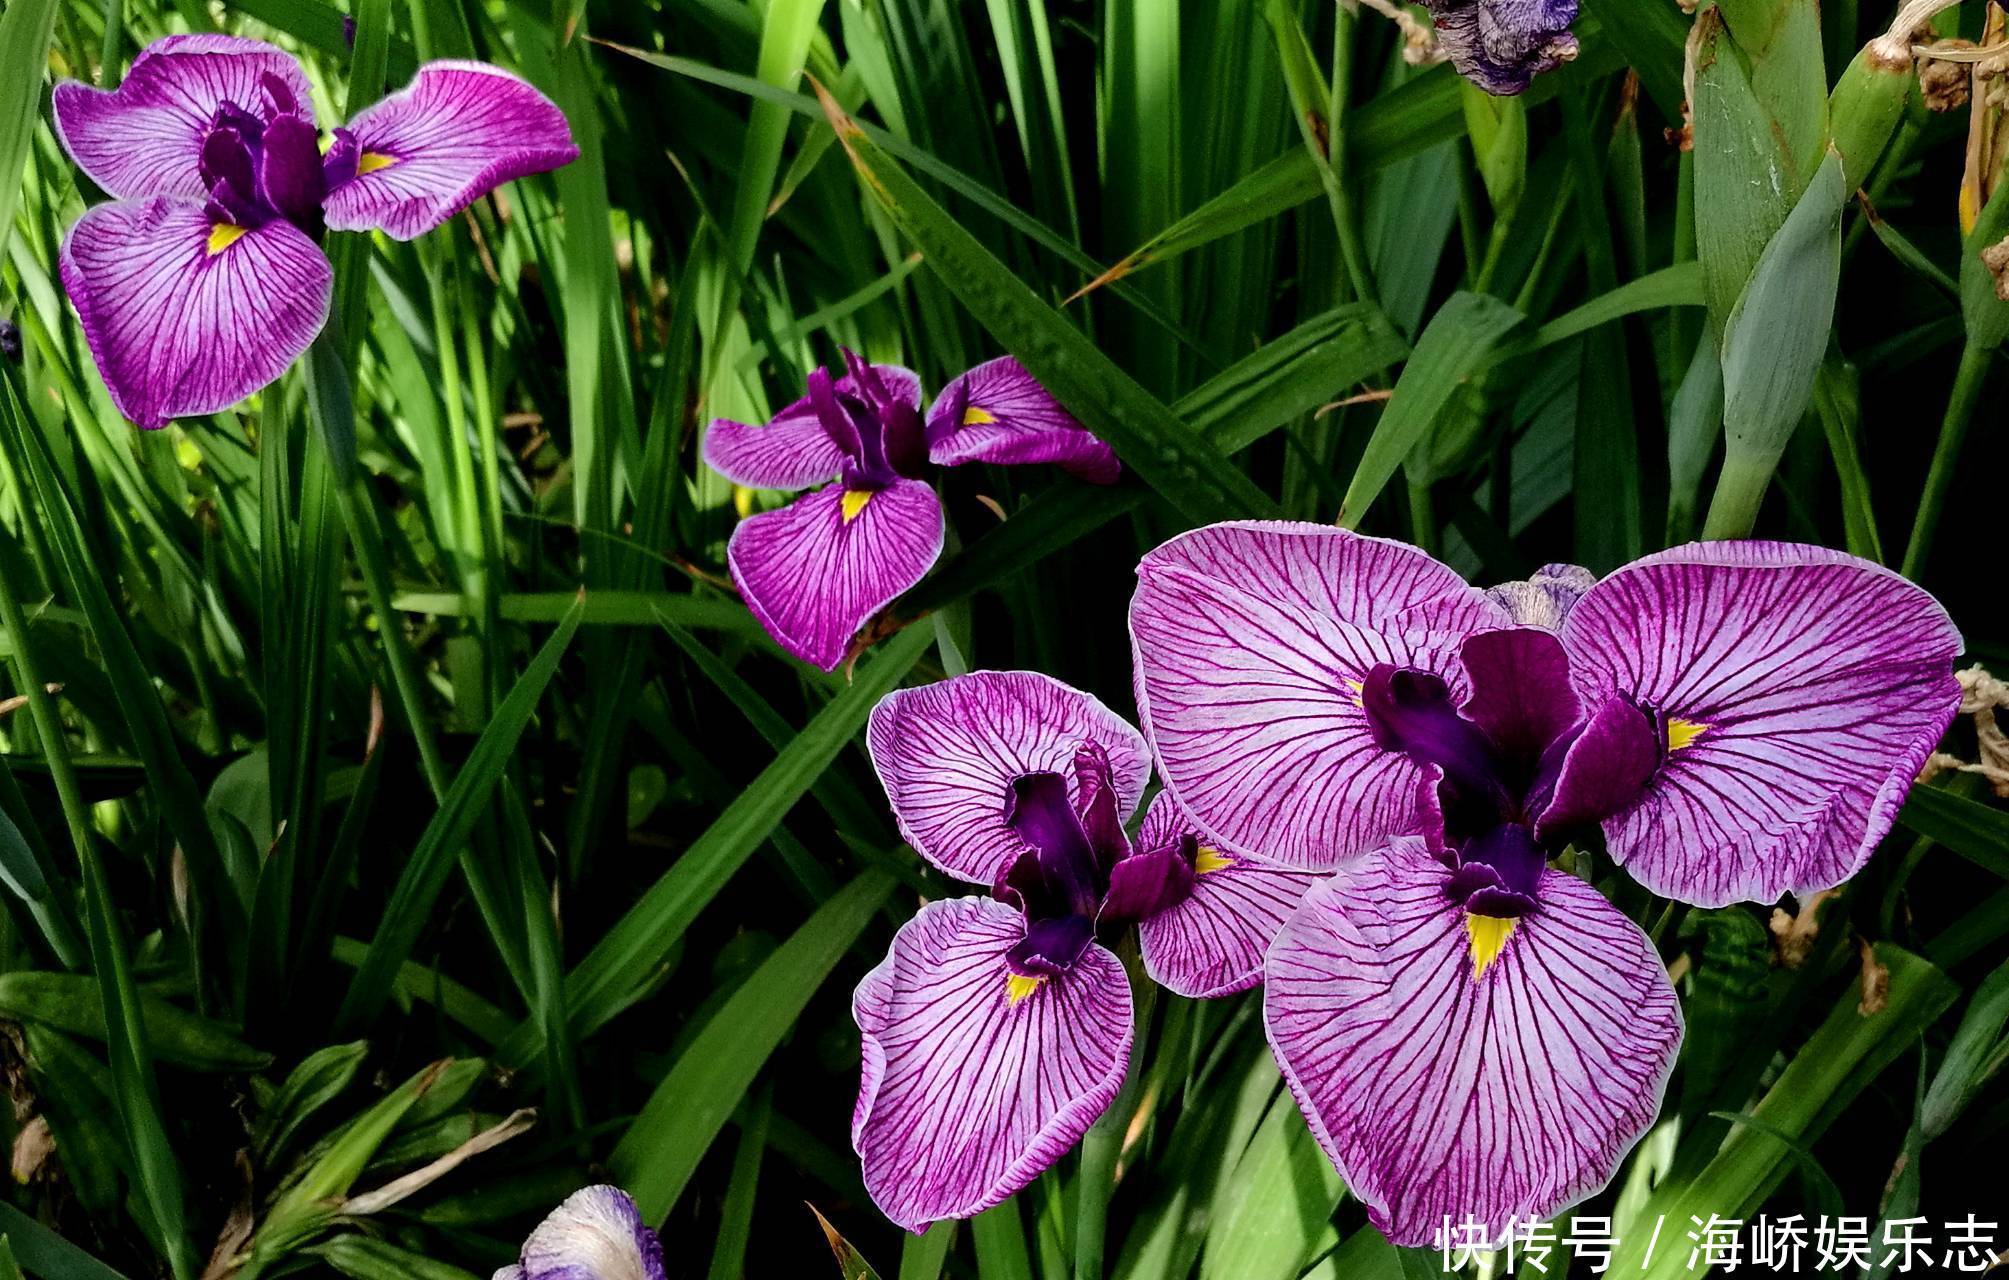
(10, 340)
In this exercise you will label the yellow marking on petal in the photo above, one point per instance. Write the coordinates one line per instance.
(224, 234)
(1489, 939)
(854, 501)
(1018, 986)
(371, 161)
(975, 417)
(1210, 860)
(1681, 733)
(1356, 686)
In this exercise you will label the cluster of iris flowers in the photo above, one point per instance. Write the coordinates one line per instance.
(1367, 764)
(1367, 768)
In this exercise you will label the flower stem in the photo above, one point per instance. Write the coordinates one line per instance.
(1960, 406)
(1104, 1142)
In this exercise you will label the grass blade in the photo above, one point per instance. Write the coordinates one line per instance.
(661, 1148)
(409, 908)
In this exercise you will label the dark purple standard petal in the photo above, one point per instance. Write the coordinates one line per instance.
(456, 132)
(948, 754)
(145, 138)
(597, 1234)
(1253, 643)
(1502, 45)
(1061, 875)
(816, 571)
(1798, 691)
(1211, 943)
(977, 1078)
(1606, 769)
(186, 315)
(997, 412)
(1453, 1065)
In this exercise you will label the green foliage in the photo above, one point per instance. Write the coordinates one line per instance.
(390, 757)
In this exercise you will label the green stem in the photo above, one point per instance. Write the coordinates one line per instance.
(1104, 1142)
(1967, 387)
(1740, 491)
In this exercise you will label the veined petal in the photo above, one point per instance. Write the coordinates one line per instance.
(792, 451)
(949, 752)
(456, 132)
(1212, 943)
(1801, 690)
(1514, 1093)
(145, 137)
(596, 1234)
(816, 571)
(1252, 644)
(187, 316)
(976, 1080)
(997, 412)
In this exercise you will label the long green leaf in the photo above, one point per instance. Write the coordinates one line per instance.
(1454, 345)
(621, 964)
(661, 1148)
(409, 909)
(25, 30)
(1170, 456)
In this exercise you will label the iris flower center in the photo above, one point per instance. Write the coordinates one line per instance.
(879, 431)
(1504, 758)
(265, 163)
(1079, 874)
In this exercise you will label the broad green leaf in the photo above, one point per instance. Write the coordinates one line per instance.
(692, 1102)
(1454, 346)
(1151, 439)
(1745, 179)
(367, 1258)
(1982, 286)
(1849, 1050)
(1975, 1055)
(1773, 344)
(1976, 831)
(47, 1255)
(320, 1078)
(1274, 1214)
(73, 1003)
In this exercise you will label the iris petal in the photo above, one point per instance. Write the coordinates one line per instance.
(813, 577)
(1824, 682)
(1437, 1094)
(456, 132)
(948, 753)
(1252, 644)
(998, 412)
(1211, 943)
(182, 321)
(973, 1084)
(145, 137)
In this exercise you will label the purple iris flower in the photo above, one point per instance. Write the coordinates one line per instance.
(1502, 45)
(998, 1029)
(597, 1234)
(814, 572)
(1467, 1030)
(203, 278)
